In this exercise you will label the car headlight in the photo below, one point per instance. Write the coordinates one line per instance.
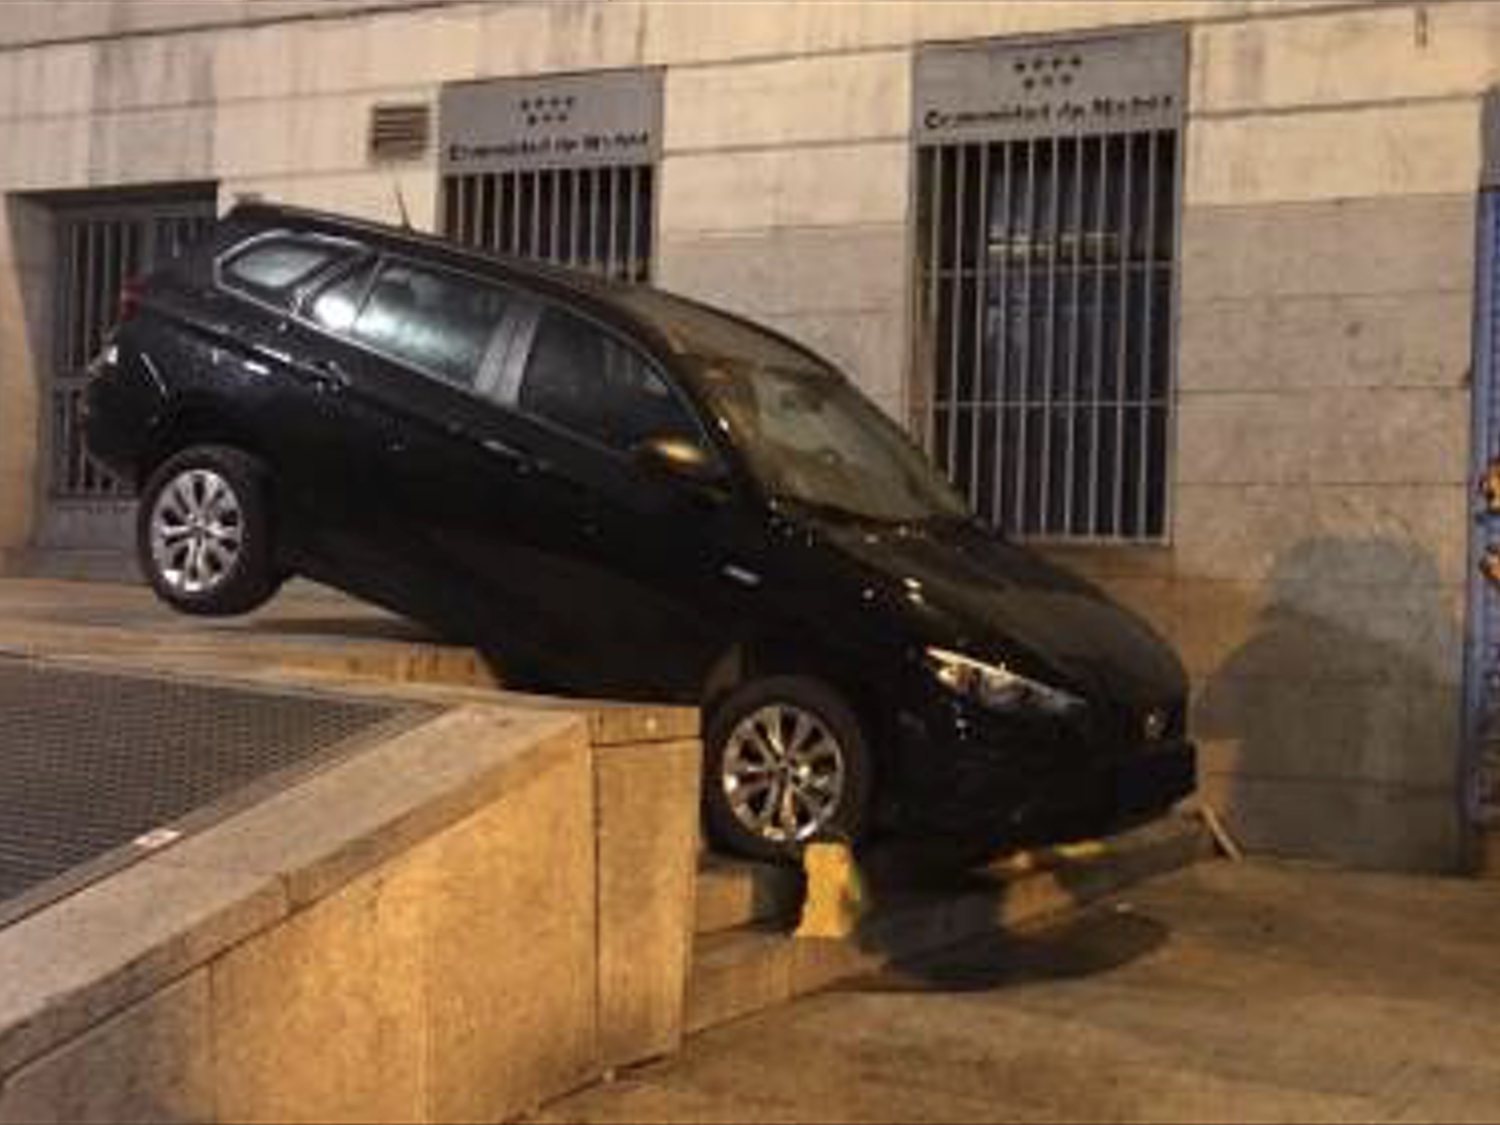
(996, 687)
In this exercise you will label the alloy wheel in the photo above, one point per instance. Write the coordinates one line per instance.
(783, 774)
(197, 531)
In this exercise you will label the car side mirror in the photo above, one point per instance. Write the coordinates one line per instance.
(680, 459)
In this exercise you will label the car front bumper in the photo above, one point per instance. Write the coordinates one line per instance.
(1006, 783)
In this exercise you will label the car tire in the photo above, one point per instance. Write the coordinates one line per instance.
(203, 532)
(785, 733)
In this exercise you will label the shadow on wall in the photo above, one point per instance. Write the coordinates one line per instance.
(1334, 731)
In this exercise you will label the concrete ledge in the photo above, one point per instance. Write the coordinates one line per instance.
(476, 915)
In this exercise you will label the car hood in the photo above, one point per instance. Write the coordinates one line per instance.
(962, 587)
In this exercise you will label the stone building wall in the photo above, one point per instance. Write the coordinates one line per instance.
(1315, 578)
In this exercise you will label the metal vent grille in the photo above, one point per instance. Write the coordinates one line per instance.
(400, 132)
(90, 761)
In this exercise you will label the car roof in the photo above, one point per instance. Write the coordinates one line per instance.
(607, 299)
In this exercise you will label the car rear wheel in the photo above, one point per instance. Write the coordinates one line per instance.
(785, 764)
(203, 532)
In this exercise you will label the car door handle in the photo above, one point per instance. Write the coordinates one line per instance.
(523, 460)
(327, 375)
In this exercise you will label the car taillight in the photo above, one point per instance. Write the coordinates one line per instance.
(130, 299)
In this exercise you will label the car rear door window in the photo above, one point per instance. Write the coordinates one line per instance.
(438, 321)
(272, 269)
(337, 306)
(582, 378)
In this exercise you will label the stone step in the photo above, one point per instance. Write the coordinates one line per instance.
(735, 893)
(75, 564)
(738, 972)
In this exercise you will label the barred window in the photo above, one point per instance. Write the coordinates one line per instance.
(1047, 269)
(1047, 203)
(593, 218)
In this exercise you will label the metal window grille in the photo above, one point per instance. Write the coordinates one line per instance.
(593, 218)
(1045, 293)
(98, 249)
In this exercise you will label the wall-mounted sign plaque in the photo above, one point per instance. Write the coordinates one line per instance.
(1015, 90)
(512, 124)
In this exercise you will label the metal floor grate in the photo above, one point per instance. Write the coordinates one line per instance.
(89, 761)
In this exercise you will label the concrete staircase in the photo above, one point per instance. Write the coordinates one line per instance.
(745, 959)
(74, 564)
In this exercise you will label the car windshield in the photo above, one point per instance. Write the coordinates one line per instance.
(809, 436)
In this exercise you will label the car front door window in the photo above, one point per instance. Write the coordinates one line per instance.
(584, 380)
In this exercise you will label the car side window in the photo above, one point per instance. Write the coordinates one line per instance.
(272, 268)
(585, 380)
(336, 307)
(439, 321)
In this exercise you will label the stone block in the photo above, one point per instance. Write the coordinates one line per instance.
(1368, 55)
(1390, 150)
(1290, 343)
(149, 146)
(42, 154)
(111, 944)
(292, 136)
(630, 724)
(257, 62)
(1406, 436)
(1399, 535)
(1382, 827)
(151, 71)
(647, 805)
(423, 48)
(554, 38)
(736, 973)
(390, 797)
(55, 81)
(146, 1064)
(450, 985)
(1327, 632)
(731, 894)
(321, 1019)
(833, 186)
(508, 941)
(841, 98)
(790, 272)
(955, 21)
(1337, 733)
(1339, 248)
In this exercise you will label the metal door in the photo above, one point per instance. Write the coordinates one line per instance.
(1481, 772)
(98, 248)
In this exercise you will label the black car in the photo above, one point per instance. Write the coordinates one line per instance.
(618, 491)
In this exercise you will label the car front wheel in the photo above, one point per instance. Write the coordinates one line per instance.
(785, 764)
(203, 532)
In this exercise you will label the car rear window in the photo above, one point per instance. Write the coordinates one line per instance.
(273, 268)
